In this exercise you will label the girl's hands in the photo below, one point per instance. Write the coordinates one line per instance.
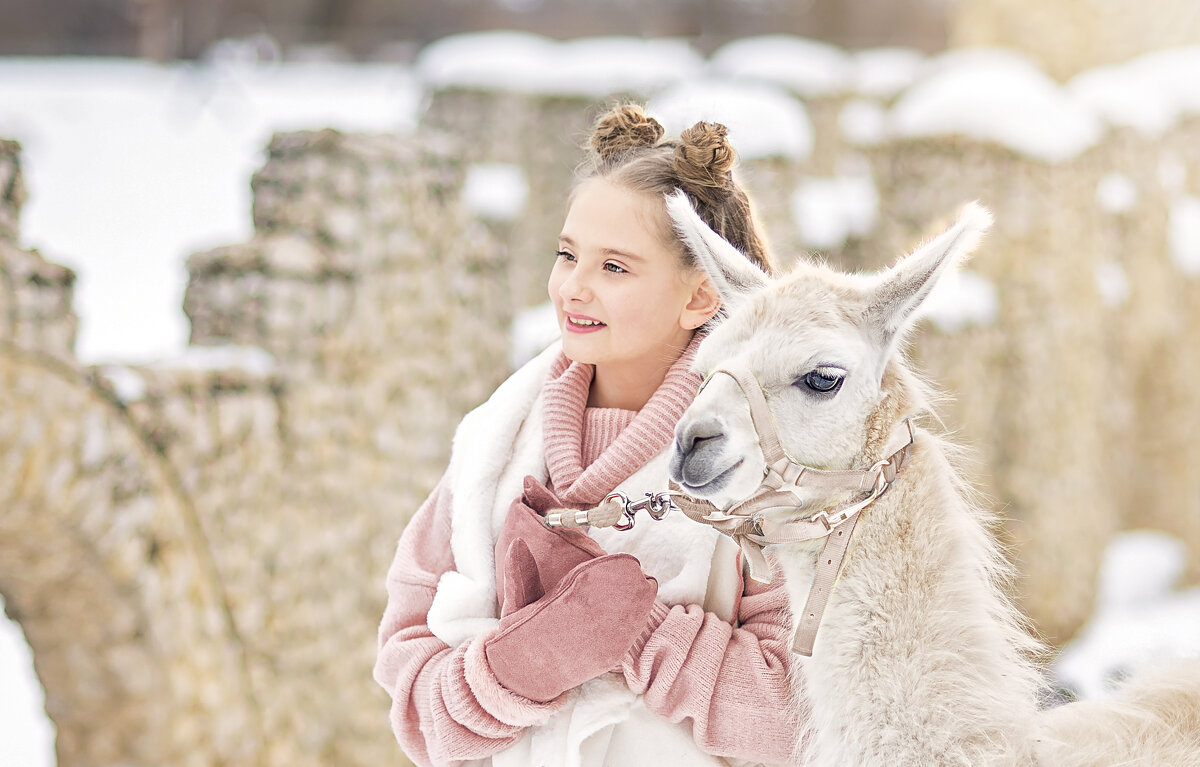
(576, 632)
(525, 574)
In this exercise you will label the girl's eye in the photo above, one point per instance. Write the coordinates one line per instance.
(564, 255)
(614, 268)
(823, 380)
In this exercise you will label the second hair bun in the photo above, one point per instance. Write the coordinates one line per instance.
(704, 160)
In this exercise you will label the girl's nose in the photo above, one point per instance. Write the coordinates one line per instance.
(575, 288)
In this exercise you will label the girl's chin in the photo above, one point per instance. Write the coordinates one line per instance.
(577, 352)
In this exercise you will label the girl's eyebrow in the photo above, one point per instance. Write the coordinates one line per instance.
(564, 239)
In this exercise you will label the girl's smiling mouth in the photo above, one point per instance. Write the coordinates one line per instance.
(579, 323)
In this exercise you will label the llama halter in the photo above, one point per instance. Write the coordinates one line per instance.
(746, 522)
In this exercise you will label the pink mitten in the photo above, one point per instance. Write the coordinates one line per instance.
(577, 631)
(554, 552)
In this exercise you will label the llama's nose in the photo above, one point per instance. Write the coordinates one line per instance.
(696, 445)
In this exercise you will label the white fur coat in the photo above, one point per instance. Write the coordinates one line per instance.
(495, 447)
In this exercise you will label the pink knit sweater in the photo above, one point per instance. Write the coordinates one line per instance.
(731, 682)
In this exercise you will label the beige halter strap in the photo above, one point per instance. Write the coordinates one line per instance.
(747, 522)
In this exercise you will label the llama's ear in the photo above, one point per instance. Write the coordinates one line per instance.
(903, 288)
(735, 277)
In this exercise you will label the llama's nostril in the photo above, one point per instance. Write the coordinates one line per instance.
(696, 434)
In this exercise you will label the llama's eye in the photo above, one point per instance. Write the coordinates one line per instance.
(823, 380)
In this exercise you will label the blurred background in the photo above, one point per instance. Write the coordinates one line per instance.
(258, 257)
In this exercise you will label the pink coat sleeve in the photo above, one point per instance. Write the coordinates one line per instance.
(447, 706)
(735, 684)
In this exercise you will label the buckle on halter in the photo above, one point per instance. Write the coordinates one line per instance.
(828, 521)
(832, 519)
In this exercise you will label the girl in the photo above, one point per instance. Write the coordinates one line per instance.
(507, 643)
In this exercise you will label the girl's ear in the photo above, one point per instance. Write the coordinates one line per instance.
(703, 305)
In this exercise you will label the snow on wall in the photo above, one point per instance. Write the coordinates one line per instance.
(529, 63)
(829, 211)
(532, 331)
(1149, 93)
(961, 299)
(807, 67)
(863, 122)
(496, 191)
(1183, 232)
(1000, 98)
(1113, 283)
(1116, 193)
(763, 120)
(884, 72)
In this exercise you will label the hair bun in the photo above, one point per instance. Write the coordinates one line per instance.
(704, 161)
(622, 129)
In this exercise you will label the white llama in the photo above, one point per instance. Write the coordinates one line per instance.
(920, 658)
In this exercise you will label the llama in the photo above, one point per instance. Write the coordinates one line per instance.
(920, 659)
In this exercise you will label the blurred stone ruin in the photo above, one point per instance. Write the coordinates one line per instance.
(196, 549)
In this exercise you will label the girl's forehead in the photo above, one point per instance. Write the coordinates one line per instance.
(612, 216)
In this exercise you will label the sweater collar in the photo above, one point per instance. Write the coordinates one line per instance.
(651, 430)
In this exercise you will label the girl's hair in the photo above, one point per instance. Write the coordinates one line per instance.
(627, 147)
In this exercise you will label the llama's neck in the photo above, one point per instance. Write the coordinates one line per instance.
(919, 658)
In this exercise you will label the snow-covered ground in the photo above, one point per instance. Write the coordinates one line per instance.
(26, 733)
(131, 166)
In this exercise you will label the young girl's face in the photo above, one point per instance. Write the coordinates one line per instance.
(621, 293)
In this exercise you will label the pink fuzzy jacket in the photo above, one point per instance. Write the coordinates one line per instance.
(730, 682)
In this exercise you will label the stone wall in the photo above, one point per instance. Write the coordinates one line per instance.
(35, 295)
(196, 550)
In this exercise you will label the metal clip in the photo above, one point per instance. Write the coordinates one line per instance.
(656, 505)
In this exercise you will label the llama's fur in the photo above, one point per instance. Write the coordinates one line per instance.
(920, 659)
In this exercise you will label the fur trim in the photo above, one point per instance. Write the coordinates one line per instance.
(495, 697)
(482, 459)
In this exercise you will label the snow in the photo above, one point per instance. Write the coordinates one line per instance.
(250, 359)
(763, 120)
(829, 211)
(26, 733)
(127, 383)
(807, 67)
(1120, 97)
(532, 331)
(132, 166)
(961, 299)
(1112, 282)
(490, 60)
(863, 122)
(992, 96)
(529, 63)
(1139, 617)
(1183, 233)
(1149, 93)
(1116, 193)
(496, 191)
(884, 72)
